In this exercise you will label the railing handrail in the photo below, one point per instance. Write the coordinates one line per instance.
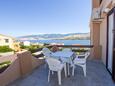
(69, 46)
(77, 46)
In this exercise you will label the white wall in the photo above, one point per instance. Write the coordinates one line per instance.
(3, 43)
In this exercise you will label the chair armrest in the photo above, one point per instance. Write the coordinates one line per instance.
(81, 55)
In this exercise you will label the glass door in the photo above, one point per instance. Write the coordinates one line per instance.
(111, 42)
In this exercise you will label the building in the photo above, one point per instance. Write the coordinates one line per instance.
(6, 40)
(27, 43)
(102, 27)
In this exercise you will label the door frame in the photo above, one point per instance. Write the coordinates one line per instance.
(113, 61)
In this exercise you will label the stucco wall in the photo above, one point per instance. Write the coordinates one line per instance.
(103, 35)
(8, 58)
(95, 40)
(37, 62)
(100, 38)
(12, 72)
(95, 3)
(23, 63)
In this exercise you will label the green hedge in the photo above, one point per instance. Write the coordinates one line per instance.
(31, 48)
(4, 49)
(5, 64)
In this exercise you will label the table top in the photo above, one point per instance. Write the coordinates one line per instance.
(63, 54)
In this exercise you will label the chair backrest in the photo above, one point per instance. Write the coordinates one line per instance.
(54, 64)
(81, 59)
(67, 49)
(46, 52)
(87, 55)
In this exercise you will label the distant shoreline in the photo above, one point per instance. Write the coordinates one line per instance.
(65, 42)
(72, 39)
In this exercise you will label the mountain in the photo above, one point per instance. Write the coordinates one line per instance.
(82, 36)
(72, 36)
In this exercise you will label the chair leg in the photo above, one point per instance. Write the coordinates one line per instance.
(49, 76)
(73, 70)
(46, 65)
(65, 70)
(59, 77)
(84, 69)
(68, 69)
(52, 72)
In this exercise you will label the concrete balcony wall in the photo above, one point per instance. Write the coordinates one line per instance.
(25, 59)
(23, 63)
(8, 58)
(12, 72)
(37, 62)
(7, 53)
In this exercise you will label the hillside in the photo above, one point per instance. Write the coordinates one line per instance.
(83, 36)
(70, 36)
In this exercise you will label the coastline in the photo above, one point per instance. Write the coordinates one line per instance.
(65, 42)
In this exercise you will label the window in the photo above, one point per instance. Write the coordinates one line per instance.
(6, 40)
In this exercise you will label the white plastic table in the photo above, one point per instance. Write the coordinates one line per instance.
(65, 56)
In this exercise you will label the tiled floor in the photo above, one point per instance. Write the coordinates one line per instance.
(97, 75)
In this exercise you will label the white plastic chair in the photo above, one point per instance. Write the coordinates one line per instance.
(56, 65)
(80, 62)
(46, 52)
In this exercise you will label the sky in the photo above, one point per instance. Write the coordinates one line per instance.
(26, 17)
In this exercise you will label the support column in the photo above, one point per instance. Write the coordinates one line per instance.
(95, 40)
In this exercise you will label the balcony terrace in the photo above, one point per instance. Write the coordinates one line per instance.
(27, 69)
(31, 71)
(97, 75)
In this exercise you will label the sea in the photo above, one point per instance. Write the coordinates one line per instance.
(65, 42)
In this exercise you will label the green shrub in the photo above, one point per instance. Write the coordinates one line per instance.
(5, 64)
(4, 49)
(31, 48)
